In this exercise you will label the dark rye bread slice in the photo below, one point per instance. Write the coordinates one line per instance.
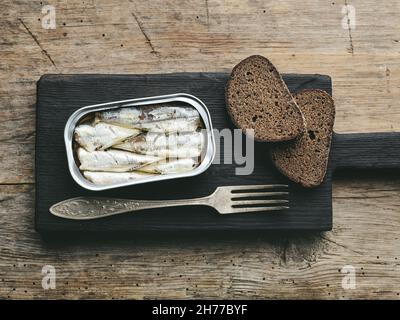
(305, 159)
(257, 98)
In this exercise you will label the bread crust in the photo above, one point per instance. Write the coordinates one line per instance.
(288, 125)
(305, 160)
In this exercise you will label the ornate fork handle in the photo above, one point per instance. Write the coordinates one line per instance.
(85, 208)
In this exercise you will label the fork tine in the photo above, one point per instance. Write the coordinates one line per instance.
(235, 204)
(258, 209)
(257, 187)
(257, 194)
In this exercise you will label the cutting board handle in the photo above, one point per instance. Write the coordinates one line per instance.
(366, 150)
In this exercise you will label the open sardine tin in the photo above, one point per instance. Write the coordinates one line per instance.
(208, 149)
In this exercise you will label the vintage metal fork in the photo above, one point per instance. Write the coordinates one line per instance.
(226, 200)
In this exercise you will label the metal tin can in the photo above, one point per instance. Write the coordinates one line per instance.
(196, 103)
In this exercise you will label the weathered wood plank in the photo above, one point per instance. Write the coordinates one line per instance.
(366, 81)
(263, 266)
(304, 37)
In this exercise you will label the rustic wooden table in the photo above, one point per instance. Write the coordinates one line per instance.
(185, 35)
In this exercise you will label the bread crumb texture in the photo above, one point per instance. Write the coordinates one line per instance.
(305, 159)
(257, 98)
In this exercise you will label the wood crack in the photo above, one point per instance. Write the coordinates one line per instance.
(351, 48)
(24, 137)
(17, 183)
(283, 256)
(208, 15)
(38, 44)
(142, 30)
(340, 245)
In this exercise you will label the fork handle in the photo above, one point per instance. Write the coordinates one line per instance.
(86, 208)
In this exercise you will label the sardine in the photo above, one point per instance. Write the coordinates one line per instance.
(102, 135)
(176, 145)
(113, 160)
(168, 167)
(107, 178)
(170, 126)
(132, 116)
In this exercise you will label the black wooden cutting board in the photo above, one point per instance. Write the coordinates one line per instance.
(310, 209)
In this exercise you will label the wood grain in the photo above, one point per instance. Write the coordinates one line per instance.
(304, 37)
(258, 266)
(366, 151)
